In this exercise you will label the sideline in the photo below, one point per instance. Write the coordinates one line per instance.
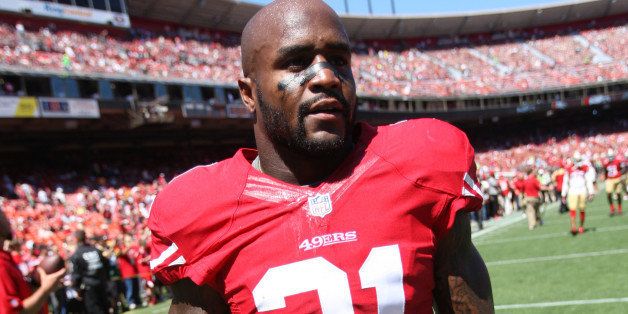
(556, 257)
(511, 219)
(560, 303)
(548, 235)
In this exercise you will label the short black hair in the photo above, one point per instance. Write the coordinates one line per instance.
(79, 235)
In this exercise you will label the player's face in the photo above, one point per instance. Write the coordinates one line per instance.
(306, 91)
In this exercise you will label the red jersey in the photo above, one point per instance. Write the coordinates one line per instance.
(531, 186)
(13, 287)
(126, 265)
(362, 240)
(613, 168)
(559, 175)
(504, 186)
(519, 185)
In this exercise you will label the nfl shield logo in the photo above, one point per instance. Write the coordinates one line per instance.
(319, 205)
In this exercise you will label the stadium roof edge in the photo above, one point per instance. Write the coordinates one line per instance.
(232, 15)
(468, 13)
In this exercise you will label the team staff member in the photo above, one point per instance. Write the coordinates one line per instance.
(532, 192)
(15, 295)
(328, 215)
(90, 275)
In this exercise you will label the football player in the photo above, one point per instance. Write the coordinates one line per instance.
(614, 170)
(327, 215)
(577, 190)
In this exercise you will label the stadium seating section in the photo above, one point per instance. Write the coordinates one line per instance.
(496, 63)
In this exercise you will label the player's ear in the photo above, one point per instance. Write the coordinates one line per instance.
(247, 87)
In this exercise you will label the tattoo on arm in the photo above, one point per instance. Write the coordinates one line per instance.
(461, 277)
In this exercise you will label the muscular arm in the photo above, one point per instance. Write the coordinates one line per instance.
(191, 298)
(462, 281)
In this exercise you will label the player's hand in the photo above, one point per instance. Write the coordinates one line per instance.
(590, 197)
(51, 282)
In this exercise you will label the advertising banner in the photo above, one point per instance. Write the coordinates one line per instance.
(68, 12)
(201, 110)
(238, 110)
(18, 107)
(69, 108)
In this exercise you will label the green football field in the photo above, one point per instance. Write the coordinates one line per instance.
(548, 270)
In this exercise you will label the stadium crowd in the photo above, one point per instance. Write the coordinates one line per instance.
(516, 61)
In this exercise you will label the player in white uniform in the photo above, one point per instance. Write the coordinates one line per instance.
(577, 189)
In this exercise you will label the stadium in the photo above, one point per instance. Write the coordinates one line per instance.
(104, 101)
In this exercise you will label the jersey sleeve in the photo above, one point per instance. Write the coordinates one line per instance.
(565, 187)
(469, 198)
(187, 220)
(437, 156)
(10, 301)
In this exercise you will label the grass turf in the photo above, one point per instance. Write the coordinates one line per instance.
(589, 266)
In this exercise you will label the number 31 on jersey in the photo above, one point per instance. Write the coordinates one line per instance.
(381, 270)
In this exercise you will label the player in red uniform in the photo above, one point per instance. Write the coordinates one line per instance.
(614, 170)
(15, 294)
(328, 215)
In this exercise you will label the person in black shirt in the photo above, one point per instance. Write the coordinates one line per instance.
(89, 271)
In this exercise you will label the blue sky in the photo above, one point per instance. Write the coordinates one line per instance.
(405, 7)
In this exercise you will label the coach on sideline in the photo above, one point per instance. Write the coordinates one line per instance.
(15, 295)
(327, 215)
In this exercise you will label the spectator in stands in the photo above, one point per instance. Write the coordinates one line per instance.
(529, 62)
(126, 260)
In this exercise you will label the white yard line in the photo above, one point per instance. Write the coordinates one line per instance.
(560, 303)
(498, 226)
(507, 221)
(555, 257)
(564, 219)
(546, 236)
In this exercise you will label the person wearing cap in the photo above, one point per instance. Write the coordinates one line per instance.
(15, 294)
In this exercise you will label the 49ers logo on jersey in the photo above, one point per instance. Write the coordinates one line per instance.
(319, 205)
(328, 239)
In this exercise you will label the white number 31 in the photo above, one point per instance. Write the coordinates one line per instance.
(382, 270)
